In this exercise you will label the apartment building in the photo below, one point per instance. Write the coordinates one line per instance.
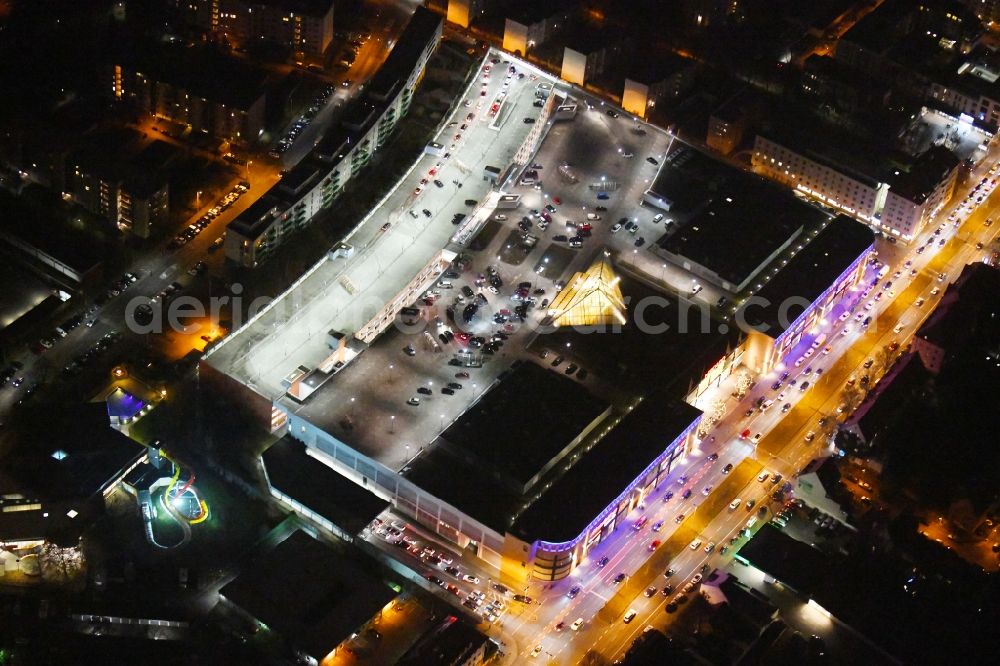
(897, 201)
(918, 193)
(531, 25)
(127, 190)
(319, 179)
(973, 89)
(657, 80)
(850, 186)
(184, 87)
(304, 26)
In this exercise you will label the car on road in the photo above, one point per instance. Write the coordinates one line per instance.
(679, 519)
(762, 477)
(696, 544)
(746, 433)
(573, 592)
(576, 624)
(654, 544)
(735, 504)
(537, 651)
(706, 491)
(657, 526)
(710, 547)
(727, 469)
(414, 401)
(620, 578)
(756, 438)
(686, 494)
(603, 562)
(469, 578)
(631, 612)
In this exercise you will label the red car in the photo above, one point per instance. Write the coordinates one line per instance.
(584, 227)
(556, 200)
(745, 434)
(654, 544)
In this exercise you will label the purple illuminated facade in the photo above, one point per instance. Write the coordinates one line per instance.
(553, 561)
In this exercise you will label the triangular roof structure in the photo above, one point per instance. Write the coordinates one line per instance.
(591, 298)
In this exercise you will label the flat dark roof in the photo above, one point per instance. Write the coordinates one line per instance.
(824, 144)
(453, 641)
(463, 485)
(809, 273)
(259, 215)
(739, 220)
(314, 8)
(792, 562)
(423, 25)
(311, 593)
(654, 70)
(292, 182)
(522, 423)
(201, 72)
(929, 170)
(530, 13)
(588, 487)
(969, 312)
(77, 457)
(320, 488)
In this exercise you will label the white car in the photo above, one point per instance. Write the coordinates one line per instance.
(762, 477)
(695, 545)
(577, 624)
(537, 651)
(735, 504)
(469, 578)
(899, 328)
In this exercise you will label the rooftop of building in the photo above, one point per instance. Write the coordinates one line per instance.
(603, 474)
(877, 31)
(529, 12)
(314, 8)
(452, 641)
(808, 274)
(650, 71)
(552, 409)
(257, 217)
(305, 173)
(201, 72)
(924, 175)
(969, 312)
(746, 101)
(737, 220)
(398, 65)
(311, 593)
(312, 483)
(585, 38)
(794, 563)
(78, 456)
(821, 142)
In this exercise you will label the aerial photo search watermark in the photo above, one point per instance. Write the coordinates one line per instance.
(650, 315)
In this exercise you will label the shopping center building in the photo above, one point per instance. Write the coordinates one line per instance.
(532, 468)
